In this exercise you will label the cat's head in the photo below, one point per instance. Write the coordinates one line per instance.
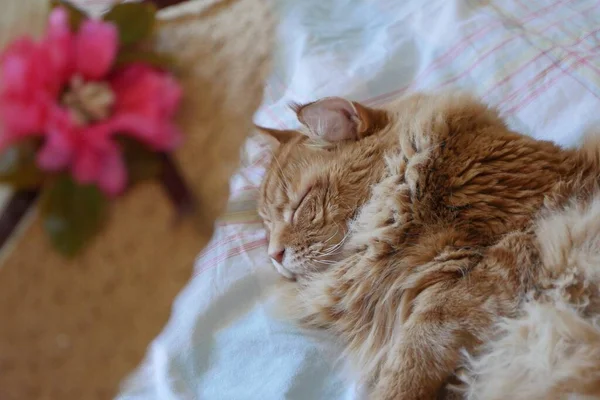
(317, 179)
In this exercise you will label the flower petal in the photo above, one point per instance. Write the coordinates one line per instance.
(55, 154)
(96, 48)
(146, 100)
(23, 118)
(16, 65)
(169, 136)
(59, 145)
(144, 90)
(113, 175)
(170, 97)
(135, 90)
(58, 21)
(86, 166)
(93, 145)
(22, 99)
(139, 127)
(30, 84)
(59, 44)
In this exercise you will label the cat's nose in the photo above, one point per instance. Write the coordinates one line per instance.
(277, 255)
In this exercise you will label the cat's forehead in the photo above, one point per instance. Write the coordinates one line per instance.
(276, 183)
(287, 174)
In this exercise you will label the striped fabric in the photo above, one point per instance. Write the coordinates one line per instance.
(537, 61)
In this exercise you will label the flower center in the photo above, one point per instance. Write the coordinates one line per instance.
(88, 101)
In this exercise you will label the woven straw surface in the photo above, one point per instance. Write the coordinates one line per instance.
(74, 329)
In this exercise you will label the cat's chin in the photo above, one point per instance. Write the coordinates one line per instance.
(283, 271)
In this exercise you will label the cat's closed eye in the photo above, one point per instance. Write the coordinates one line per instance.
(301, 200)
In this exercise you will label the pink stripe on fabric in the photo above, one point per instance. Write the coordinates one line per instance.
(235, 251)
(581, 60)
(570, 53)
(460, 46)
(513, 74)
(246, 188)
(530, 83)
(477, 62)
(94, 2)
(221, 242)
(241, 222)
(544, 52)
(275, 118)
(555, 65)
(523, 5)
(536, 93)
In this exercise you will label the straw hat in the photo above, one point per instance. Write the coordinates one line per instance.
(74, 328)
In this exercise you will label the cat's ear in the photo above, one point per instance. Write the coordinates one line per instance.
(282, 136)
(335, 119)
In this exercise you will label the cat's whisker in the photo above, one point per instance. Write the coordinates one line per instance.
(332, 249)
(284, 183)
(338, 246)
(333, 235)
(324, 256)
(313, 266)
(325, 262)
(328, 250)
(337, 230)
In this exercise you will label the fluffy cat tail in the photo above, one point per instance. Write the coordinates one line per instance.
(552, 349)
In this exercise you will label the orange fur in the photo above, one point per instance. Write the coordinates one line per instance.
(411, 242)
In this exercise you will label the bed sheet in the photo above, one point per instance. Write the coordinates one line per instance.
(537, 61)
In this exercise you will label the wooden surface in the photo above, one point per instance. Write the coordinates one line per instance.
(74, 329)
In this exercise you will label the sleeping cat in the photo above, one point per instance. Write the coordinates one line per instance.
(409, 232)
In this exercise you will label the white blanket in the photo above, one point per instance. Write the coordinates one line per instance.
(538, 61)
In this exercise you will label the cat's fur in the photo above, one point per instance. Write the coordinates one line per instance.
(409, 232)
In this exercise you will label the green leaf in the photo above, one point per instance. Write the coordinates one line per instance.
(158, 60)
(72, 214)
(76, 16)
(135, 21)
(142, 163)
(18, 168)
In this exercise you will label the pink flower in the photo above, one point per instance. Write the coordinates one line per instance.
(64, 89)
(146, 102)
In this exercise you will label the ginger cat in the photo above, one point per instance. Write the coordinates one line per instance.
(409, 233)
